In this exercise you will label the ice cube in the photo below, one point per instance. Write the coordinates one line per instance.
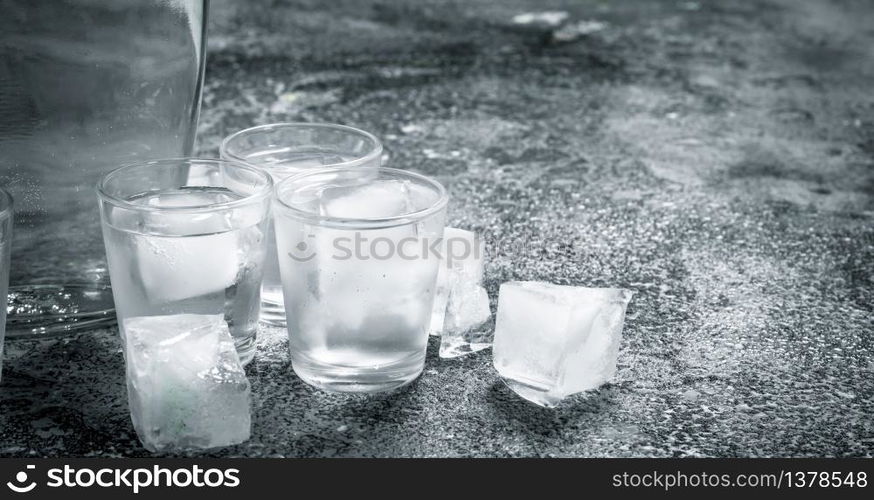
(370, 276)
(186, 387)
(441, 300)
(462, 255)
(467, 310)
(468, 307)
(553, 341)
(371, 279)
(371, 200)
(177, 268)
(372, 272)
(185, 255)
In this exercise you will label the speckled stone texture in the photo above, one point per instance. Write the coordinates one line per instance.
(715, 157)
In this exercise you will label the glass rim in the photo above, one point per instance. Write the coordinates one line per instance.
(224, 148)
(264, 192)
(6, 203)
(358, 222)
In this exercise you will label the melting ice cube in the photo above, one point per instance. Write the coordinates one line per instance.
(461, 304)
(461, 264)
(553, 341)
(467, 310)
(376, 282)
(441, 301)
(177, 268)
(377, 272)
(197, 253)
(186, 387)
(372, 200)
(464, 253)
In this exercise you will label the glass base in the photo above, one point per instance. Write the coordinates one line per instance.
(246, 346)
(273, 313)
(57, 310)
(333, 378)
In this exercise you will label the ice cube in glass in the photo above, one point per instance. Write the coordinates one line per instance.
(188, 236)
(358, 286)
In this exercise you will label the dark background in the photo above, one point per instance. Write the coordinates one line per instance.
(715, 157)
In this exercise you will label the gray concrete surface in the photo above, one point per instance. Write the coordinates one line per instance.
(715, 157)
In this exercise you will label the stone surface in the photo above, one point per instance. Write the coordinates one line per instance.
(717, 161)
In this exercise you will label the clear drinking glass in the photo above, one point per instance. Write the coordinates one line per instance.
(285, 149)
(187, 236)
(5, 243)
(358, 273)
(85, 86)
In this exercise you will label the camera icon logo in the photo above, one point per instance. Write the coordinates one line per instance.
(18, 486)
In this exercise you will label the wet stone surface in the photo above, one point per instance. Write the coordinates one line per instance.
(715, 157)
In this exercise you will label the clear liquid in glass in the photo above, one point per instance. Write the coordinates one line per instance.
(209, 263)
(355, 324)
(280, 164)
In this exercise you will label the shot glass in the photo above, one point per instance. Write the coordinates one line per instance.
(5, 250)
(285, 149)
(358, 267)
(187, 236)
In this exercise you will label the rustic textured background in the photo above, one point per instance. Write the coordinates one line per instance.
(715, 157)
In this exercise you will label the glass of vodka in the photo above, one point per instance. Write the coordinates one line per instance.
(285, 149)
(187, 236)
(357, 259)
